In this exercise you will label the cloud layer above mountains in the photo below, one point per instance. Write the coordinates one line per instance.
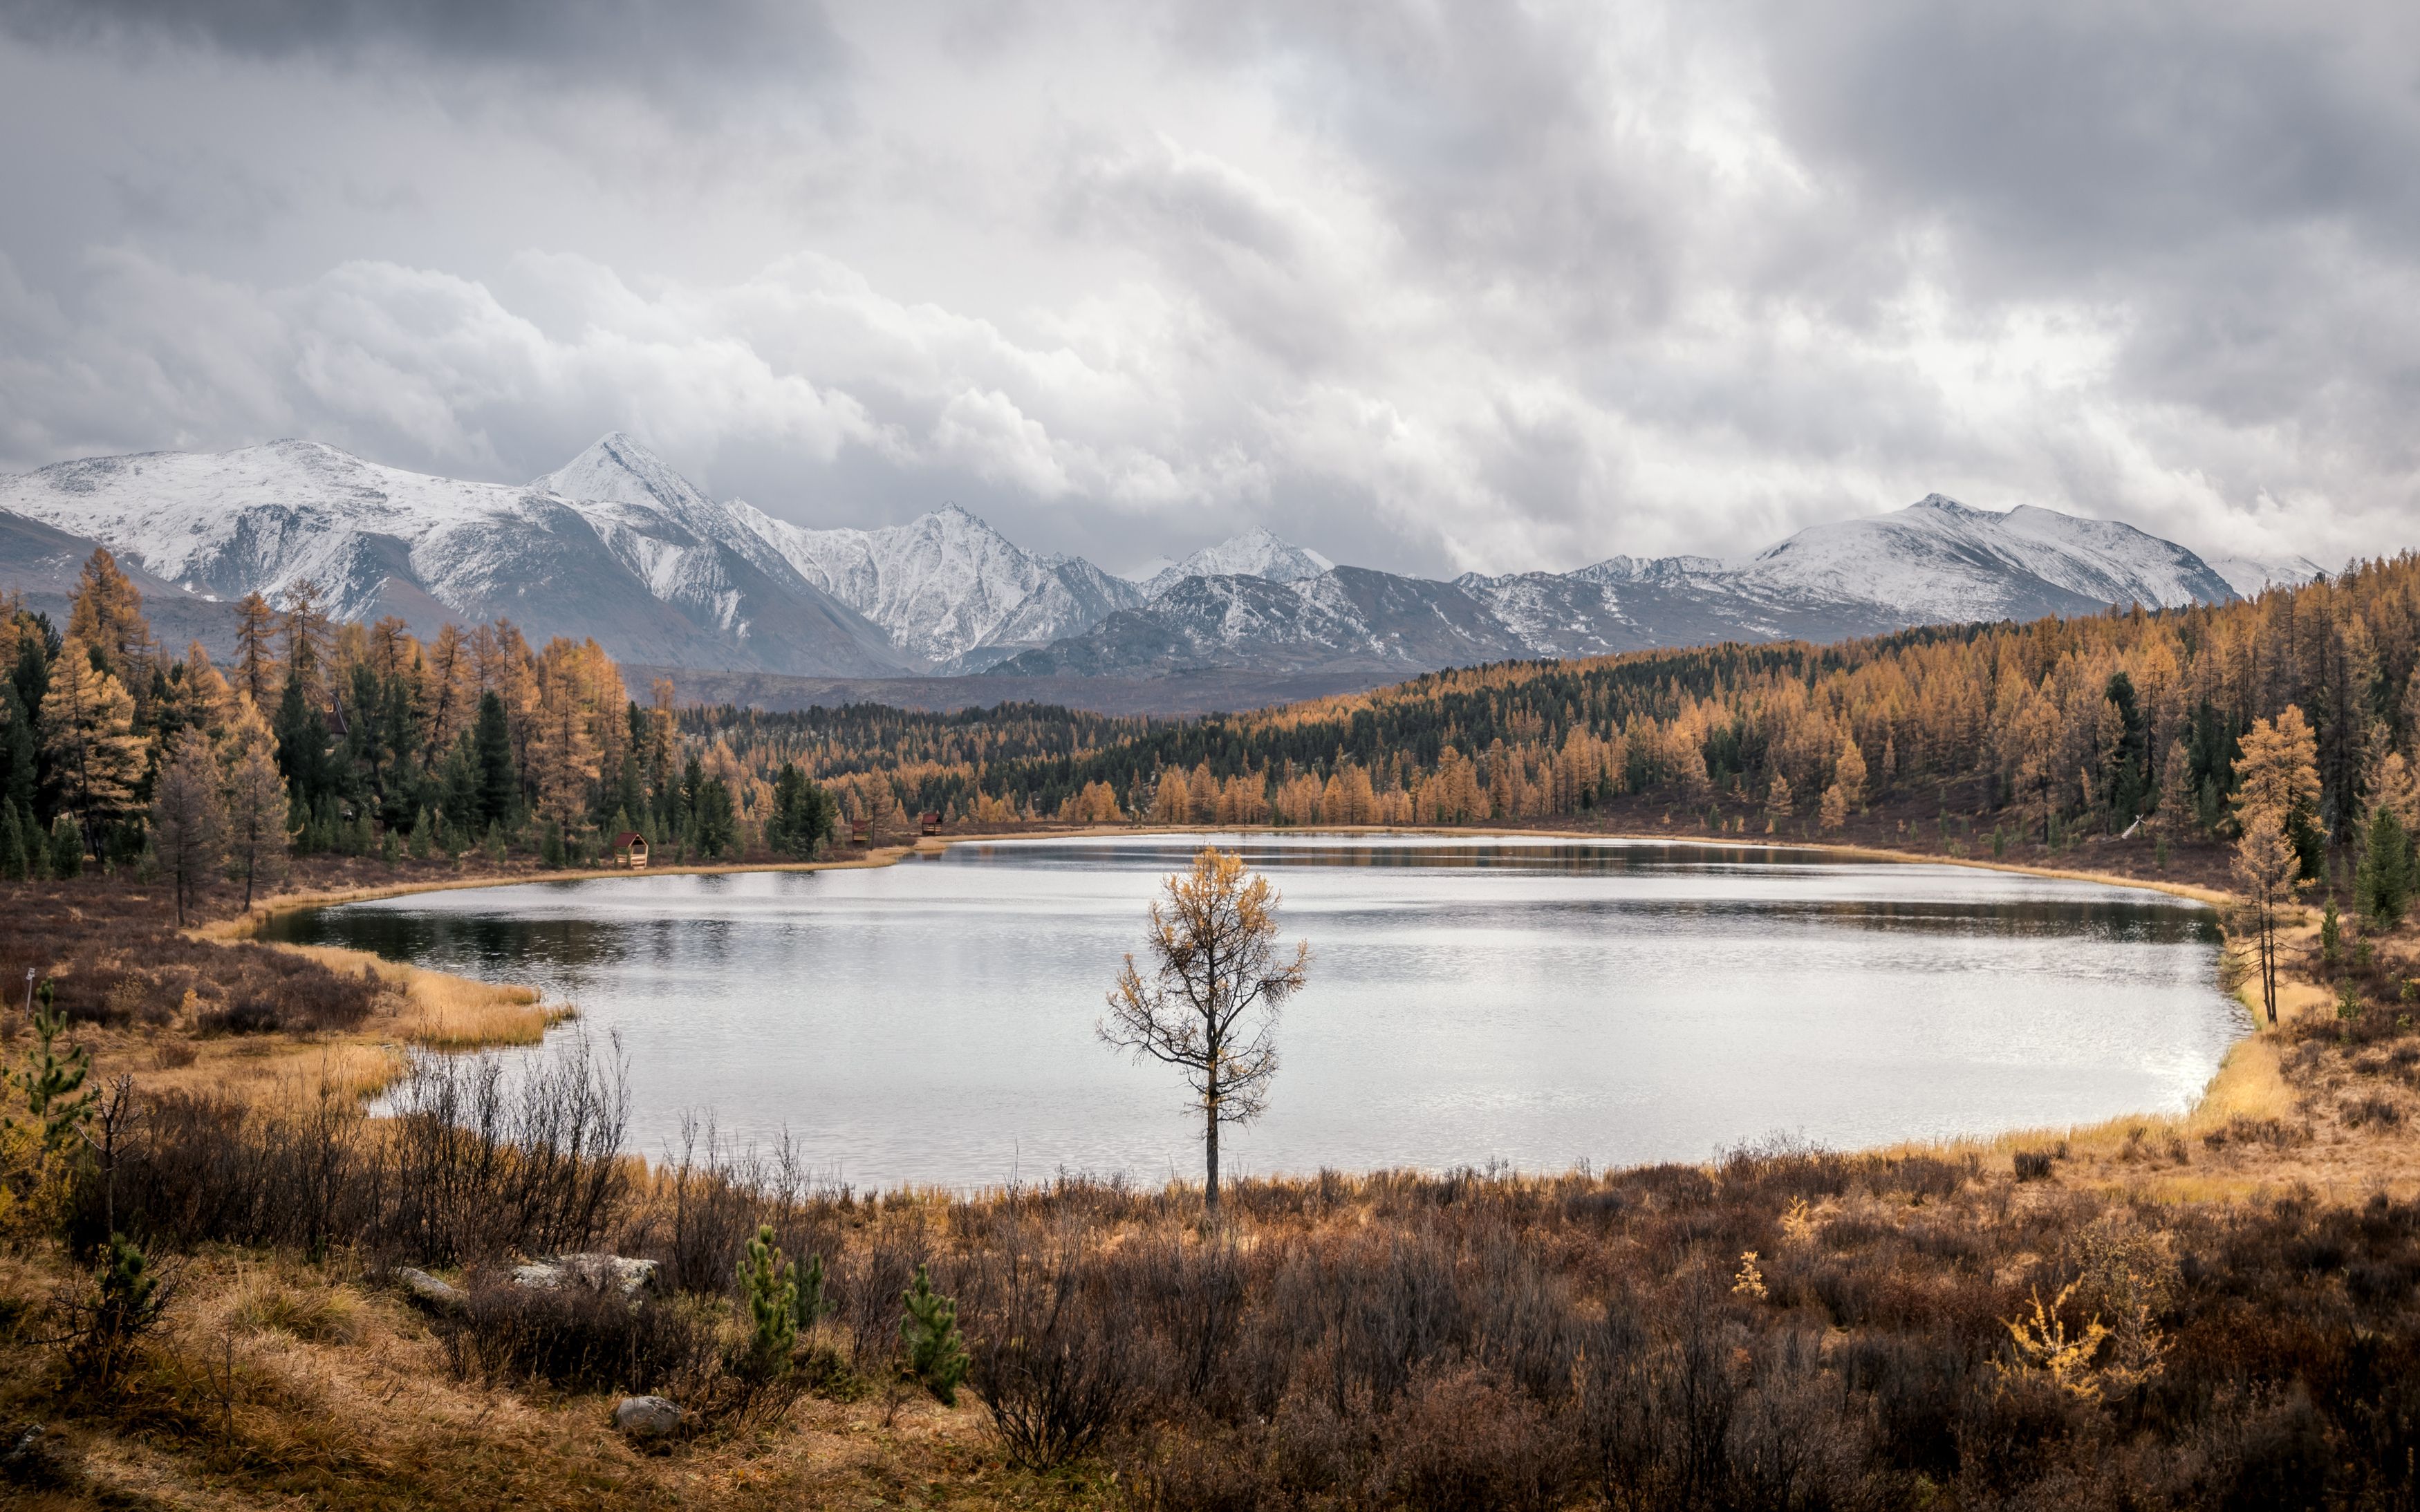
(1428, 288)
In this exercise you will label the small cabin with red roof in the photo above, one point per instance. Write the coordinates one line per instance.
(630, 849)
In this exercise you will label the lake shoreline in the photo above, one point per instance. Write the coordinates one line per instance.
(2247, 1081)
(249, 924)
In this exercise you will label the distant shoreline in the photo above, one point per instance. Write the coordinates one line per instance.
(248, 925)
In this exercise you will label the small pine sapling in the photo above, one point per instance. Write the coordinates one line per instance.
(2348, 999)
(52, 1085)
(772, 1295)
(936, 1356)
(811, 1305)
(2330, 936)
(128, 1300)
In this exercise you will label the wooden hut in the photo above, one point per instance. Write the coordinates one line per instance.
(932, 824)
(856, 832)
(630, 849)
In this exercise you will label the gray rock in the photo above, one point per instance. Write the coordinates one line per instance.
(427, 1289)
(37, 1460)
(595, 1272)
(646, 1417)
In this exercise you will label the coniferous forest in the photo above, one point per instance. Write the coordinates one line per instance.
(2034, 735)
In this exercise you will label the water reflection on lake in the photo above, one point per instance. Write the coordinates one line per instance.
(1538, 1002)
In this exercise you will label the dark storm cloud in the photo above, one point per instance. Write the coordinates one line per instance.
(627, 40)
(2072, 138)
(1431, 285)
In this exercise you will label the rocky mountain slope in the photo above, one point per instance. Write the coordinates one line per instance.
(617, 544)
(1935, 562)
(650, 567)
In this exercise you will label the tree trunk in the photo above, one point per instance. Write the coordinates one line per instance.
(1210, 1149)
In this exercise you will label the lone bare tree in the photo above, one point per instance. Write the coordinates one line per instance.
(1209, 1007)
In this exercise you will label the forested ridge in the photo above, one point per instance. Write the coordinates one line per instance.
(2045, 732)
(2055, 728)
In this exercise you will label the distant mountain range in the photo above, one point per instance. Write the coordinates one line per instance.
(617, 545)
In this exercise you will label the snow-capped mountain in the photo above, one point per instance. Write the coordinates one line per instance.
(1938, 561)
(947, 584)
(1256, 553)
(619, 546)
(1935, 562)
(654, 570)
(2249, 576)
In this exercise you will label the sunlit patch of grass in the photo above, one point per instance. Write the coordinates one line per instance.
(272, 1073)
(449, 1012)
(265, 1303)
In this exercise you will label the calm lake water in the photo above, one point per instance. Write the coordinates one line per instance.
(1538, 1002)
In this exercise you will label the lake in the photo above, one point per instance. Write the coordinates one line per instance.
(1534, 1001)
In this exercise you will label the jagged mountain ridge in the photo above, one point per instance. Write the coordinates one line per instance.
(670, 577)
(617, 544)
(1936, 560)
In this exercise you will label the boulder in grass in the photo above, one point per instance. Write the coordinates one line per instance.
(594, 1271)
(646, 1417)
(430, 1292)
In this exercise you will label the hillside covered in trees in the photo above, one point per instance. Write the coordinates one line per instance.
(342, 738)
(2052, 729)
(369, 741)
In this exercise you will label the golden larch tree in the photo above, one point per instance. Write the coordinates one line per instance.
(1209, 1006)
(106, 614)
(88, 732)
(188, 817)
(256, 800)
(256, 670)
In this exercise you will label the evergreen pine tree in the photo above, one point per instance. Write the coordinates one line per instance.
(492, 744)
(127, 1303)
(936, 1356)
(67, 849)
(771, 1294)
(811, 1305)
(51, 1085)
(2383, 884)
(12, 844)
(17, 749)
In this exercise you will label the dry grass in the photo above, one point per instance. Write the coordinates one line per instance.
(449, 1012)
(284, 1385)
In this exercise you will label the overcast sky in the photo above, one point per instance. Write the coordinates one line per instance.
(1427, 287)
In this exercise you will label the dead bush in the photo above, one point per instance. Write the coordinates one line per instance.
(576, 1338)
(1055, 1359)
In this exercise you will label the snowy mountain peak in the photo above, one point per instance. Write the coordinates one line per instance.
(1940, 503)
(618, 470)
(1257, 552)
(1943, 562)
